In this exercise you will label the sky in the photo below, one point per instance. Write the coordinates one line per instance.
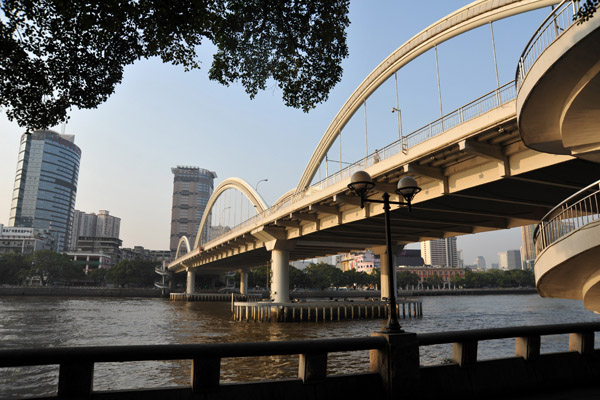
(160, 117)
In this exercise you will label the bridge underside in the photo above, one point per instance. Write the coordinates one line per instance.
(478, 176)
(509, 202)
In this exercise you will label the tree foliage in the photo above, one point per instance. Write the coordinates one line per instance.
(44, 265)
(586, 11)
(497, 278)
(433, 281)
(12, 266)
(406, 278)
(315, 276)
(50, 267)
(58, 54)
(132, 273)
(322, 275)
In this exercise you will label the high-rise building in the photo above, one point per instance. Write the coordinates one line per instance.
(528, 252)
(480, 262)
(102, 225)
(440, 252)
(46, 184)
(409, 258)
(510, 259)
(192, 187)
(107, 225)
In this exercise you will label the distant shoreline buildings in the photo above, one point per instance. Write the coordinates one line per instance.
(43, 215)
(509, 259)
(23, 240)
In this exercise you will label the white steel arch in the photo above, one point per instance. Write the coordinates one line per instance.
(230, 183)
(284, 197)
(471, 16)
(182, 240)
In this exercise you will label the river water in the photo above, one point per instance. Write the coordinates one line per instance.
(27, 322)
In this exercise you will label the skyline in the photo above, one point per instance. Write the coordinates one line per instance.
(149, 125)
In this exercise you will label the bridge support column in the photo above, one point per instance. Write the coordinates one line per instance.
(191, 281)
(280, 269)
(280, 276)
(243, 281)
(385, 268)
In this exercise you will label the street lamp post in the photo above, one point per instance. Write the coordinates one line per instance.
(361, 183)
(256, 186)
(222, 215)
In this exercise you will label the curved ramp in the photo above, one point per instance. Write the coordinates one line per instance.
(568, 244)
(558, 104)
(568, 269)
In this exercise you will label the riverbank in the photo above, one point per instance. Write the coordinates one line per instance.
(153, 292)
(78, 291)
(466, 292)
(311, 294)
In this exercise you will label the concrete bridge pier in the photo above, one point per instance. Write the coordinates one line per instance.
(243, 281)
(280, 269)
(280, 276)
(191, 281)
(381, 251)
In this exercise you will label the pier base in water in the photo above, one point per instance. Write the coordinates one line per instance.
(316, 311)
(214, 297)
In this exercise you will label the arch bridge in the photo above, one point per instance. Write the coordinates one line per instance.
(494, 163)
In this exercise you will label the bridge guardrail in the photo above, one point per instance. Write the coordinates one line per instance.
(578, 210)
(469, 111)
(553, 26)
(76, 364)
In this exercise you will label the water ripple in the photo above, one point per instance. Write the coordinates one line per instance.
(33, 322)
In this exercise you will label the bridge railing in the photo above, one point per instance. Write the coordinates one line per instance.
(394, 365)
(553, 26)
(573, 213)
(475, 108)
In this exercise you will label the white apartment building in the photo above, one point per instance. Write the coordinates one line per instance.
(440, 252)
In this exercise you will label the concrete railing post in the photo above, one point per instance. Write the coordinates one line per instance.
(397, 364)
(528, 347)
(312, 367)
(582, 343)
(206, 373)
(464, 353)
(75, 380)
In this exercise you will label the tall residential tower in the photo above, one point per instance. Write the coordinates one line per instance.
(528, 251)
(440, 252)
(192, 187)
(46, 184)
(87, 225)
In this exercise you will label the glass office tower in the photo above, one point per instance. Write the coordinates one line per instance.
(46, 184)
